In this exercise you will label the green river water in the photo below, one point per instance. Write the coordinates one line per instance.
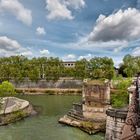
(45, 126)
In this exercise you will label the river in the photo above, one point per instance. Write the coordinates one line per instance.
(45, 126)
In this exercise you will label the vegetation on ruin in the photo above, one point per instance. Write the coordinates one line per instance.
(119, 99)
(120, 96)
(121, 83)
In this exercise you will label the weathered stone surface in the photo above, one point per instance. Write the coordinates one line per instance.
(114, 124)
(14, 109)
(87, 126)
(62, 83)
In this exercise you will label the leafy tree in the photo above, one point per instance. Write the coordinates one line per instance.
(130, 66)
(18, 68)
(101, 68)
(81, 69)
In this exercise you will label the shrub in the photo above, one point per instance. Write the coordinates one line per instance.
(119, 99)
(6, 89)
(122, 83)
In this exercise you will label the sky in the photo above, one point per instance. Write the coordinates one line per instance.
(70, 29)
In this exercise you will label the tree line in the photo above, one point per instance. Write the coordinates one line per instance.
(19, 68)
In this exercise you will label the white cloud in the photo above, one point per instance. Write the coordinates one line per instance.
(10, 47)
(27, 53)
(122, 25)
(17, 9)
(60, 9)
(136, 52)
(88, 56)
(40, 31)
(97, 46)
(8, 44)
(77, 4)
(69, 57)
(44, 52)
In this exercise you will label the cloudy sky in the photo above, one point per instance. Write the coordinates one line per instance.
(70, 29)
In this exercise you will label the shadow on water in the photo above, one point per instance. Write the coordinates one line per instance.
(45, 125)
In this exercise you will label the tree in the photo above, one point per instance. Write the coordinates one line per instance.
(81, 69)
(101, 68)
(130, 66)
(53, 69)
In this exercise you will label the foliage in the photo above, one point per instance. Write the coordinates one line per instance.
(6, 88)
(130, 66)
(18, 68)
(81, 69)
(119, 99)
(122, 83)
(101, 68)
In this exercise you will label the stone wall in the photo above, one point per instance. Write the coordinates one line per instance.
(68, 83)
(114, 124)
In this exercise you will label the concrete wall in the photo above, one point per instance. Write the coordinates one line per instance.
(114, 124)
(68, 83)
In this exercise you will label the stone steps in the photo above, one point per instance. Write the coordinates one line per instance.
(75, 114)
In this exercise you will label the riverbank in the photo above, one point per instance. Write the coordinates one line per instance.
(49, 91)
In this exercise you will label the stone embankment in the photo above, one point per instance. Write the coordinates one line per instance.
(62, 83)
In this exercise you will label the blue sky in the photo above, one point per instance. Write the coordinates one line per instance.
(70, 29)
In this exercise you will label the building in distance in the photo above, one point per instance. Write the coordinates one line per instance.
(69, 64)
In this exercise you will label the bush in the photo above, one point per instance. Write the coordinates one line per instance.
(6, 88)
(119, 99)
(122, 83)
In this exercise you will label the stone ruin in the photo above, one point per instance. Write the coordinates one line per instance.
(92, 109)
(96, 99)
